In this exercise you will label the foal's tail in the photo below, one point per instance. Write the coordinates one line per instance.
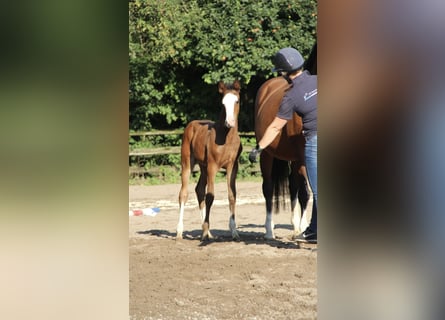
(280, 180)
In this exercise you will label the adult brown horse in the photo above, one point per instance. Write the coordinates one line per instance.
(284, 153)
(212, 145)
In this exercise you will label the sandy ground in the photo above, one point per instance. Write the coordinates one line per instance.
(221, 279)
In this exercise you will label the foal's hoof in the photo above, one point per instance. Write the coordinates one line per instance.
(269, 236)
(206, 236)
(235, 236)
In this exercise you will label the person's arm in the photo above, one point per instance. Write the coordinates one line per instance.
(271, 132)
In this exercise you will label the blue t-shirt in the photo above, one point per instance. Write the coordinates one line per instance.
(302, 99)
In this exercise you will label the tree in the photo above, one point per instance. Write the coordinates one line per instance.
(179, 50)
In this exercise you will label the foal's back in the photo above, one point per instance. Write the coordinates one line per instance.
(211, 142)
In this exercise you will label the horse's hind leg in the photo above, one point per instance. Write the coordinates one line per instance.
(299, 197)
(304, 196)
(266, 163)
(231, 188)
(200, 191)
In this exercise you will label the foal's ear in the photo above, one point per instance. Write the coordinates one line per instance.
(221, 86)
(237, 85)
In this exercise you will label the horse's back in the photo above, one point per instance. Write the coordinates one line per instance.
(288, 145)
(271, 91)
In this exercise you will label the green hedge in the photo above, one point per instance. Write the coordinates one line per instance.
(179, 50)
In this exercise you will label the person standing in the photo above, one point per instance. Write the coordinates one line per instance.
(302, 99)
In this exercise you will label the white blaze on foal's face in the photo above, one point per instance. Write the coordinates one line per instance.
(229, 101)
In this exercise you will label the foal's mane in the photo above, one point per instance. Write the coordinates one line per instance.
(230, 86)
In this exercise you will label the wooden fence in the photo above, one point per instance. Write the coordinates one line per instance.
(147, 152)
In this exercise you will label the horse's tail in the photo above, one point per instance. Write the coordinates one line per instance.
(280, 180)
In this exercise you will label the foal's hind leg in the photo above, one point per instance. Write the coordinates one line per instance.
(231, 188)
(200, 190)
(210, 196)
(187, 163)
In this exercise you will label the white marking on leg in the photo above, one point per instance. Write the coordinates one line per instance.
(232, 226)
(304, 223)
(202, 213)
(296, 219)
(206, 234)
(180, 227)
(305, 219)
(269, 226)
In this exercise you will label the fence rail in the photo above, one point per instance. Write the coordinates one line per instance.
(174, 149)
(155, 151)
(155, 133)
(176, 132)
(140, 153)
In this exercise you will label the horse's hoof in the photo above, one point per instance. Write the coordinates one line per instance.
(179, 237)
(294, 235)
(236, 237)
